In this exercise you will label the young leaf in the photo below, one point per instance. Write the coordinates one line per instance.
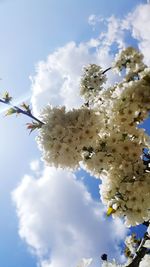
(10, 111)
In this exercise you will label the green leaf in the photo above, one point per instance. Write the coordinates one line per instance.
(10, 111)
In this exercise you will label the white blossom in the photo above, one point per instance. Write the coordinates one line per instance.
(111, 264)
(65, 134)
(148, 229)
(145, 262)
(92, 81)
(147, 244)
(85, 262)
(104, 136)
(131, 243)
(131, 59)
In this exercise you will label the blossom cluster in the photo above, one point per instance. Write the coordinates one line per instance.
(117, 157)
(104, 135)
(91, 82)
(131, 60)
(65, 134)
(87, 262)
(145, 261)
(132, 244)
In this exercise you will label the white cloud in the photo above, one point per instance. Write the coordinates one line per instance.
(123, 31)
(114, 34)
(60, 221)
(35, 165)
(93, 20)
(138, 23)
(57, 79)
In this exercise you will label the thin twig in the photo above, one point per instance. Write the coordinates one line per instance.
(106, 70)
(19, 110)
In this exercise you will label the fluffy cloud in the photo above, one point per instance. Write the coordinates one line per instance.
(57, 79)
(35, 165)
(126, 31)
(94, 20)
(138, 22)
(60, 221)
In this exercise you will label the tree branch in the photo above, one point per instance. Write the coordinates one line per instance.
(21, 111)
(140, 252)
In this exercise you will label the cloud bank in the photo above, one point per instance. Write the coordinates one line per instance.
(60, 221)
(137, 22)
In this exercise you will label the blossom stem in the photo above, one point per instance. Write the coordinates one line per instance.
(106, 70)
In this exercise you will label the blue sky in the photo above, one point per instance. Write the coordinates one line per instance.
(30, 32)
